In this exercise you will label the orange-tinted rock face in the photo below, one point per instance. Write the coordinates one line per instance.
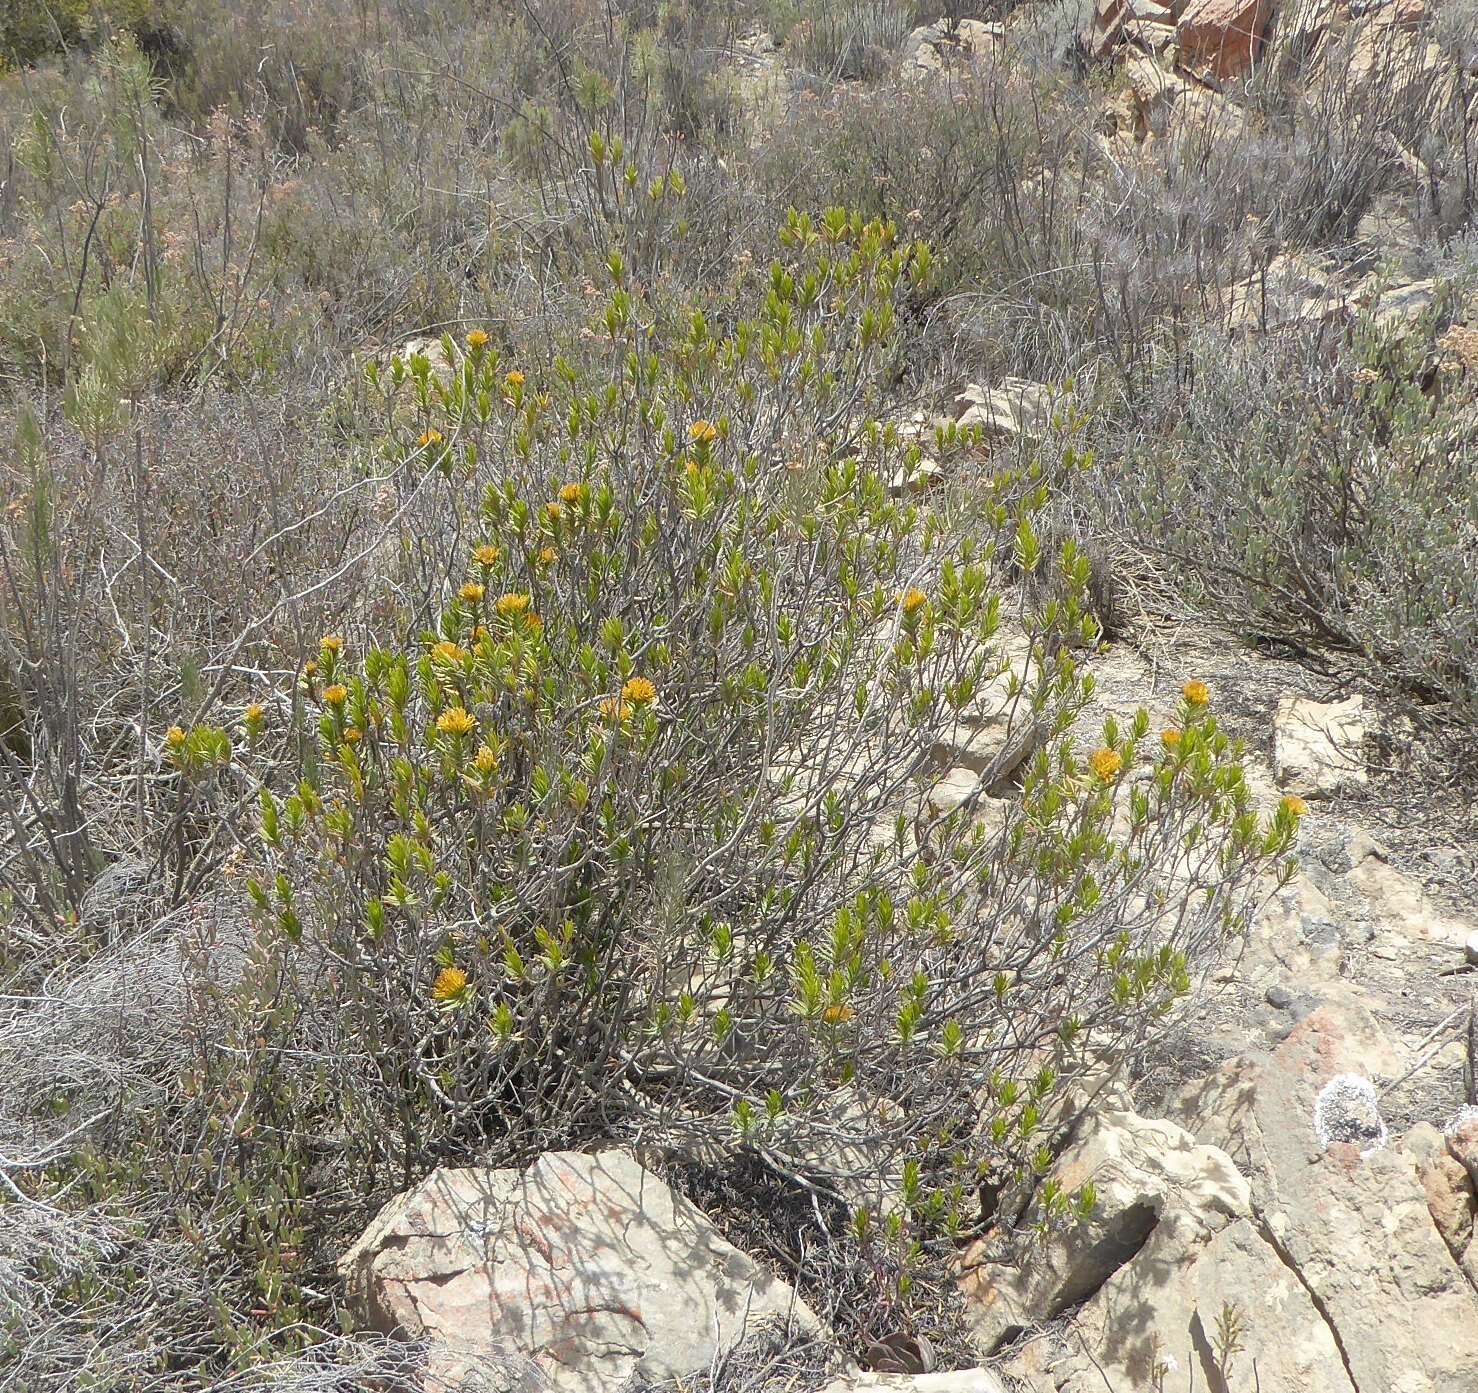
(1221, 38)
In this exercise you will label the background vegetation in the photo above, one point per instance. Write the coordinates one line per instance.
(366, 362)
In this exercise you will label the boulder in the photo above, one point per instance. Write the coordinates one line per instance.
(1318, 747)
(1114, 21)
(1447, 1186)
(933, 47)
(1155, 1185)
(1220, 39)
(1298, 30)
(1173, 1243)
(1293, 290)
(573, 1275)
(1017, 408)
(1352, 1222)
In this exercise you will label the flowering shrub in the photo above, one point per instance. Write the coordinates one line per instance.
(648, 832)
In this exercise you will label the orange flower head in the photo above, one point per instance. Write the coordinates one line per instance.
(572, 494)
(450, 984)
(702, 432)
(1292, 804)
(471, 593)
(428, 438)
(448, 652)
(335, 695)
(615, 710)
(1171, 738)
(1105, 763)
(331, 643)
(639, 691)
(477, 340)
(1196, 693)
(486, 759)
(838, 1015)
(486, 556)
(914, 600)
(512, 605)
(514, 378)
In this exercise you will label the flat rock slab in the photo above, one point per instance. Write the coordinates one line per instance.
(1351, 1221)
(1319, 747)
(573, 1275)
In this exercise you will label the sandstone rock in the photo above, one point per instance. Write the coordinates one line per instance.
(1447, 1186)
(580, 1271)
(1318, 747)
(1403, 304)
(918, 479)
(1151, 1179)
(1115, 20)
(933, 47)
(1298, 30)
(1016, 408)
(1152, 35)
(1156, 89)
(1356, 1230)
(1173, 1244)
(1220, 39)
(1397, 903)
(1462, 1140)
(1105, 30)
(1293, 290)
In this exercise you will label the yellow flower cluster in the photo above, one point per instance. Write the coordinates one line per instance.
(429, 438)
(1196, 693)
(456, 721)
(638, 691)
(450, 983)
(703, 432)
(513, 604)
(914, 600)
(477, 340)
(1105, 763)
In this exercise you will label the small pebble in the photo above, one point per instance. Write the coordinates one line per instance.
(1280, 998)
(1470, 948)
